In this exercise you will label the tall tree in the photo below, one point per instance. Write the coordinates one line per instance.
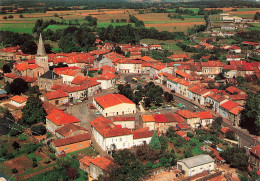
(155, 142)
(33, 111)
(250, 115)
(18, 86)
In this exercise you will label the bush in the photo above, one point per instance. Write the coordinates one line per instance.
(190, 135)
(157, 165)
(21, 137)
(38, 130)
(14, 171)
(148, 165)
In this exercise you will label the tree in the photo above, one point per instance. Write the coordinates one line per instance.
(257, 16)
(236, 157)
(16, 145)
(10, 16)
(230, 135)
(211, 85)
(72, 173)
(18, 86)
(33, 111)
(250, 115)
(240, 80)
(147, 102)
(5, 17)
(48, 48)
(118, 50)
(146, 153)
(216, 125)
(20, 16)
(6, 68)
(38, 130)
(29, 47)
(15, 130)
(155, 142)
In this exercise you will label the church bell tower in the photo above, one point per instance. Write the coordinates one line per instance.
(41, 58)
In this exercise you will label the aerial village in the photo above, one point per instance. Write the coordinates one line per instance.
(94, 114)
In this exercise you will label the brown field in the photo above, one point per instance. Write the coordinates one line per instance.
(224, 9)
(175, 24)
(153, 17)
(244, 12)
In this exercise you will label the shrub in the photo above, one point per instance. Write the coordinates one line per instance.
(148, 165)
(190, 135)
(38, 130)
(21, 137)
(14, 171)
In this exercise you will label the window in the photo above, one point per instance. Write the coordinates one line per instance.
(120, 139)
(80, 145)
(66, 148)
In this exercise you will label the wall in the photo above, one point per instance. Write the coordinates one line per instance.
(195, 170)
(73, 147)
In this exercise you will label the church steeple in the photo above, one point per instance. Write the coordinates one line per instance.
(41, 49)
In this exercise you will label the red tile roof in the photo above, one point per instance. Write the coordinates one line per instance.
(211, 64)
(102, 162)
(205, 115)
(182, 73)
(61, 118)
(179, 56)
(69, 88)
(106, 128)
(170, 117)
(229, 105)
(110, 100)
(19, 99)
(142, 133)
(198, 90)
(233, 89)
(72, 140)
(56, 94)
(187, 114)
(225, 129)
(148, 118)
(159, 118)
(25, 66)
(11, 75)
(181, 133)
(106, 76)
(69, 129)
(236, 110)
(255, 150)
(238, 97)
(123, 119)
(29, 79)
(86, 160)
(48, 107)
(216, 97)
(182, 126)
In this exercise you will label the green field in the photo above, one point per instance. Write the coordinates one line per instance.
(56, 27)
(171, 47)
(113, 24)
(248, 9)
(18, 28)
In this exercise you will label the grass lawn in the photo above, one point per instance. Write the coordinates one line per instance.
(197, 151)
(254, 28)
(248, 9)
(256, 24)
(17, 28)
(87, 151)
(171, 47)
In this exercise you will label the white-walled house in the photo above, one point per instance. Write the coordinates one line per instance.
(114, 105)
(195, 165)
(214, 100)
(206, 118)
(18, 101)
(192, 119)
(198, 94)
(107, 80)
(110, 136)
(226, 107)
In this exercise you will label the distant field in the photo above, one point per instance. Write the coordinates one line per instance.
(113, 24)
(56, 27)
(17, 28)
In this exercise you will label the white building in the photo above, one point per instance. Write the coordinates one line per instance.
(206, 118)
(125, 122)
(107, 80)
(195, 165)
(114, 104)
(18, 101)
(110, 136)
(214, 100)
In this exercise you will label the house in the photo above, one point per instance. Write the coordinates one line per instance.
(234, 115)
(206, 118)
(129, 66)
(179, 57)
(107, 59)
(75, 93)
(57, 97)
(9, 77)
(211, 68)
(228, 27)
(48, 79)
(173, 82)
(164, 121)
(141, 136)
(114, 104)
(195, 165)
(234, 91)
(71, 144)
(110, 136)
(3, 94)
(254, 157)
(68, 73)
(107, 80)
(30, 70)
(148, 121)
(225, 107)
(230, 71)
(98, 165)
(231, 57)
(125, 122)
(18, 101)
(69, 130)
(84, 163)
(214, 100)
(192, 119)
(155, 47)
(58, 118)
(235, 49)
(198, 93)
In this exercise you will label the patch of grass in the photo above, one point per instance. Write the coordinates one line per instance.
(254, 28)
(17, 27)
(248, 9)
(87, 151)
(197, 151)
(171, 47)
(56, 27)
